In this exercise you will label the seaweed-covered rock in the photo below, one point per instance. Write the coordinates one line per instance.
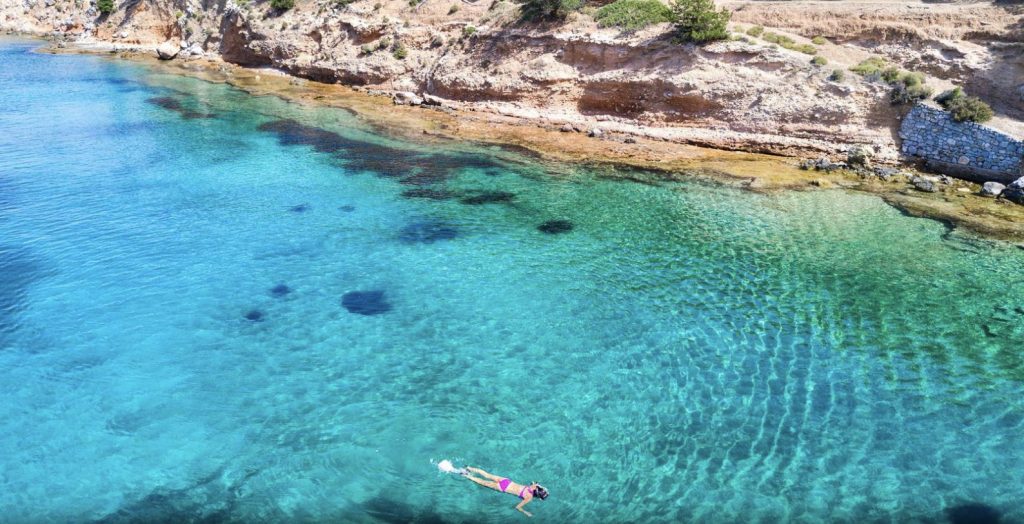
(427, 232)
(923, 184)
(554, 227)
(365, 302)
(488, 197)
(821, 164)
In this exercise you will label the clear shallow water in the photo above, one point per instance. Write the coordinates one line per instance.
(685, 352)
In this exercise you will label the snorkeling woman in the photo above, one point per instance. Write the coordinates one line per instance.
(505, 485)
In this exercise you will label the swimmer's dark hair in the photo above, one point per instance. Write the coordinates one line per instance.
(540, 492)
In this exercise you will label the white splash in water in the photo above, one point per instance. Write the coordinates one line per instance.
(447, 467)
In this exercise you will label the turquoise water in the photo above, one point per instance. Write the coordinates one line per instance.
(685, 352)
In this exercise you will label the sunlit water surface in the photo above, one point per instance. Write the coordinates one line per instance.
(685, 352)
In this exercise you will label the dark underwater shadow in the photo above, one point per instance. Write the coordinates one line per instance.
(207, 501)
(19, 270)
(973, 513)
(394, 512)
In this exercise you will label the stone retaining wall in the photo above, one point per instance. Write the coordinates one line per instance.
(963, 149)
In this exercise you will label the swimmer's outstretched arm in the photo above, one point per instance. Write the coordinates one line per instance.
(523, 503)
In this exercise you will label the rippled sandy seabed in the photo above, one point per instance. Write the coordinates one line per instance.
(221, 307)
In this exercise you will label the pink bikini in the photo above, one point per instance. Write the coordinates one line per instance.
(503, 484)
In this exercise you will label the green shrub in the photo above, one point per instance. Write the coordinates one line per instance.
(367, 49)
(907, 87)
(342, 3)
(837, 75)
(946, 97)
(906, 94)
(910, 79)
(105, 6)
(755, 31)
(631, 15)
(789, 43)
(970, 109)
(871, 66)
(773, 38)
(437, 41)
(282, 5)
(468, 31)
(453, 9)
(377, 6)
(806, 49)
(891, 75)
(819, 61)
(700, 21)
(819, 40)
(549, 9)
(400, 52)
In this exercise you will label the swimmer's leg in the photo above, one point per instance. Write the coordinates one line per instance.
(484, 473)
(486, 483)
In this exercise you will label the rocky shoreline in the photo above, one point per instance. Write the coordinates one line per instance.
(611, 144)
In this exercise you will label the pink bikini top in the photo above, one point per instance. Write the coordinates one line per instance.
(523, 491)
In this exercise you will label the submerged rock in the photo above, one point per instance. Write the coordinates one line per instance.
(992, 189)
(425, 178)
(347, 209)
(301, 208)
(973, 513)
(429, 193)
(554, 227)
(365, 302)
(427, 232)
(280, 290)
(173, 104)
(254, 315)
(489, 197)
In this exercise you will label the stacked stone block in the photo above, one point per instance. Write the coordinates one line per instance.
(961, 148)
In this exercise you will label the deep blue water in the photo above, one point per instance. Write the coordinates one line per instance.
(220, 307)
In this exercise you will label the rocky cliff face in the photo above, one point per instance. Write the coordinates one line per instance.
(736, 94)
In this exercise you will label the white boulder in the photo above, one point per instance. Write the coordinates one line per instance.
(167, 50)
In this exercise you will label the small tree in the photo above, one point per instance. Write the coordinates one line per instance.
(282, 5)
(699, 21)
(105, 6)
(549, 9)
